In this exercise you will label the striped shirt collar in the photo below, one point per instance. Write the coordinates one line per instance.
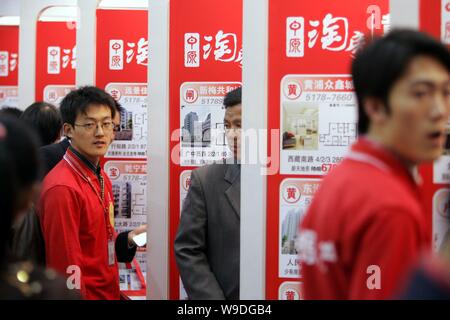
(95, 169)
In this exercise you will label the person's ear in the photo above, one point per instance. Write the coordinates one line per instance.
(376, 110)
(68, 130)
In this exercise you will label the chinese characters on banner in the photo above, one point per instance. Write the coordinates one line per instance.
(295, 197)
(318, 122)
(55, 60)
(445, 21)
(9, 96)
(130, 211)
(332, 33)
(221, 47)
(9, 59)
(134, 53)
(131, 135)
(205, 64)
(55, 93)
(8, 63)
(59, 58)
(290, 290)
(121, 69)
(312, 104)
(202, 136)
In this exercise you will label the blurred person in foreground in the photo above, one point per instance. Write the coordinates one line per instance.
(366, 225)
(27, 242)
(19, 185)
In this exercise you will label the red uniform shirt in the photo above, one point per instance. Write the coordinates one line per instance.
(364, 229)
(76, 227)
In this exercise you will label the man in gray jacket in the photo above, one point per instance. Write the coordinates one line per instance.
(207, 242)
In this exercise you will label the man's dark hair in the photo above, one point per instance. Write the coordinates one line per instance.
(233, 98)
(77, 102)
(385, 60)
(11, 111)
(45, 119)
(119, 107)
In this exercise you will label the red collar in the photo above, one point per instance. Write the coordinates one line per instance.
(365, 150)
(79, 166)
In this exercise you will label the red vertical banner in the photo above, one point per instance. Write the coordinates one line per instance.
(9, 60)
(312, 103)
(205, 64)
(434, 19)
(122, 46)
(56, 58)
(121, 69)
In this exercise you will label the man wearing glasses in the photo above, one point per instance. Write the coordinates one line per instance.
(76, 204)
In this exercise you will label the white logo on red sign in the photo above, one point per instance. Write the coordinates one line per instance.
(113, 172)
(191, 50)
(292, 90)
(54, 60)
(295, 37)
(115, 93)
(290, 291)
(291, 194)
(4, 62)
(190, 95)
(116, 54)
(51, 95)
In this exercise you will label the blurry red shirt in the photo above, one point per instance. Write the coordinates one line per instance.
(364, 229)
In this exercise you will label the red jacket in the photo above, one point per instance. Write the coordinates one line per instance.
(76, 227)
(364, 228)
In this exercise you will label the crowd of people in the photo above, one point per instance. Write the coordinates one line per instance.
(364, 235)
(58, 202)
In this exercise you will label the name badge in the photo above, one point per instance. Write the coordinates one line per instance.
(111, 251)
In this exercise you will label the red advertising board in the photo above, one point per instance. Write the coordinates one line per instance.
(121, 69)
(55, 60)
(311, 102)
(9, 60)
(205, 63)
(126, 30)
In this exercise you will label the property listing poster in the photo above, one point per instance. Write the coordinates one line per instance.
(131, 136)
(128, 180)
(9, 60)
(295, 197)
(121, 69)
(313, 107)
(434, 19)
(205, 63)
(202, 111)
(318, 122)
(56, 58)
(9, 96)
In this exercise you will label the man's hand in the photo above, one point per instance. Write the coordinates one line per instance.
(135, 232)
